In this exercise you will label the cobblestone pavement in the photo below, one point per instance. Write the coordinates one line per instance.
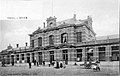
(23, 70)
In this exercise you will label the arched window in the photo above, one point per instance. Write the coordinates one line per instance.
(51, 24)
(40, 41)
(51, 40)
(64, 38)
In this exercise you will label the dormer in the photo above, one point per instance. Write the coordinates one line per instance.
(51, 22)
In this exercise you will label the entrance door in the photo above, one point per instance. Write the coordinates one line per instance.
(51, 56)
(8, 59)
(12, 58)
(28, 59)
(89, 56)
(40, 58)
(65, 56)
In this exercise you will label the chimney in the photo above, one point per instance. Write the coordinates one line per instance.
(26, 44)
(74, 16)
(17, 45)
(44, 24)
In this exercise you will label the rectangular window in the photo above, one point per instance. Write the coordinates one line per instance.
(102, 53)
(79, 36)
(115, 47)
(102, 56)
(51, 40)
(32, 43)
(79, 50)
(101, 48)
(17, 57)
(64, 38)
(40, 41)
(22, 56)
(39, 53)
(115, 56)
(115, 53)
(79, 54)
(65, 51)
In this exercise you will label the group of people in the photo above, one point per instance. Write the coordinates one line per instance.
(4, 62)
(35, 63)
(56, 64)
(94, 65)
(60, 64)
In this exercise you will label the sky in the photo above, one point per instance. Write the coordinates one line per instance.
(14, 29)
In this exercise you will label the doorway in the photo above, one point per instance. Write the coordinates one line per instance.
(65, 56)
(40, 58)
(89, 56)
(51, 56)
(28, 58)
(12, 58)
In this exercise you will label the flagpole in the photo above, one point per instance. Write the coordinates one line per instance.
(52, 7)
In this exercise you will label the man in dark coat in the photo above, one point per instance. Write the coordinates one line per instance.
(12, 62)
(29, 65)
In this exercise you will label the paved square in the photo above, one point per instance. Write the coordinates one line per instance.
(23, 70)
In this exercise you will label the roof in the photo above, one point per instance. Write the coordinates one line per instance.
(107, 37)
(66, 23)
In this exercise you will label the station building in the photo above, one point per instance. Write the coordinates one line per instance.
(69, 40)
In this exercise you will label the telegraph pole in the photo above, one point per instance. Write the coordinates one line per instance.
(119, 44)
(52, 7)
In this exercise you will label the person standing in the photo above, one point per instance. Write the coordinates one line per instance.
(37, 63)
(12, 62)
(64, 65)
(29, 64)
(98, 64)
(43, 63)
(61, 64)
(3, 62)
(57, 65)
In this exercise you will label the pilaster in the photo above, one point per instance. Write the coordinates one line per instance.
(83, 53)
(95, 52)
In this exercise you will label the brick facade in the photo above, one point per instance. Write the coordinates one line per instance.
(70, 27)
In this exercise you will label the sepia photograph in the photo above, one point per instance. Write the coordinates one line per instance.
(59, 38)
